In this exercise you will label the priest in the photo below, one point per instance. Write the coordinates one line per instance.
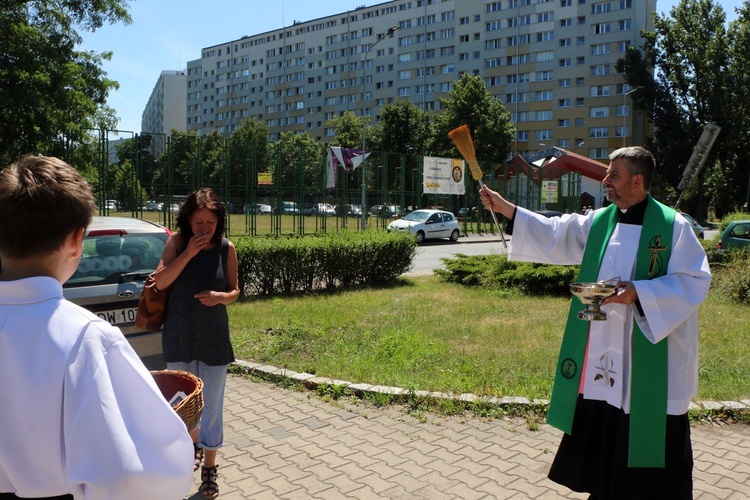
(622, 385)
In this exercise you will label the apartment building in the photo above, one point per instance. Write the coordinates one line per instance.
(166, 108)
(551, 63)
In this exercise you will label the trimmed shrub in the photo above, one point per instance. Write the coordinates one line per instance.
(497, 272)
(273, 265)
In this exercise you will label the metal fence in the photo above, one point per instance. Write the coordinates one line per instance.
(149, 175)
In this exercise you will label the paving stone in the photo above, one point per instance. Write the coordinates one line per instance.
(285, 444)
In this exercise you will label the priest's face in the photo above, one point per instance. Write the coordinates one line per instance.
(623, 188)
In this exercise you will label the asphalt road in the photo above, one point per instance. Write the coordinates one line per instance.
(430, 253)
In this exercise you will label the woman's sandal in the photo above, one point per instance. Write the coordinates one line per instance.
(209, 488)
(197, 456)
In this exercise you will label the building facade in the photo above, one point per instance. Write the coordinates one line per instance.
(166, 109)
(551, 63)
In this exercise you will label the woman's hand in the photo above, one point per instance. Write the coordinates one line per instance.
(209, 298)
(198, 242)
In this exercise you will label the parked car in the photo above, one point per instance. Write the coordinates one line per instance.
(385, 210)
(428, 224)
(110, 204)
(325, 209)
(289, 207)
(736, 235)
(153, 206)
(258, 208)
(697, 228)
(118, 255)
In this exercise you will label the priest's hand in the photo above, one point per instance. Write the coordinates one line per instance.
(626, 294)
(491, 200)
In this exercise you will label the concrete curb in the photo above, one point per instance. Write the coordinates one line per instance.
(312, 382)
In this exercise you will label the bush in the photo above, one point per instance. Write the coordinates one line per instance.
(497, 272)
(732, 279)
(271, 265)
(730, 218)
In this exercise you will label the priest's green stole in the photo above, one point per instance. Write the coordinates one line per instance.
(648, 394)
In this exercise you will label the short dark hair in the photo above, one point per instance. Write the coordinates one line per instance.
(203, 198)
(42, 201)
(639, 161)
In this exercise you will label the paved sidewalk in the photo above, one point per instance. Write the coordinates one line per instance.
(289, 444)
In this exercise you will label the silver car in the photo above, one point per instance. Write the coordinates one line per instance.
(428, 224)
(118, 254)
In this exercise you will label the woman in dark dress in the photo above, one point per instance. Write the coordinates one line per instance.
(199, 266)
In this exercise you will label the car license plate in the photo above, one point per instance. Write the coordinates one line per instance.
(118, 316)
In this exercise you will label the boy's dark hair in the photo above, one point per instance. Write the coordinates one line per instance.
(42, 200)
(639, 161)
(203, 198)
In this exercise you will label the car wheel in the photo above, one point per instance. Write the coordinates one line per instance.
(420, 236)
(454, 235)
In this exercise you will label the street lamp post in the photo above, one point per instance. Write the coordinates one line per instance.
(623, 112)
(390, 31)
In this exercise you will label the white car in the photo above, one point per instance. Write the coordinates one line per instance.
(428, 224)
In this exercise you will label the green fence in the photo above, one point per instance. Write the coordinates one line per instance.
(275, 189)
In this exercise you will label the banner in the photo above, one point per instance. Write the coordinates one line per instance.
(443, 176)
(265, 178)
(549, 191)
(350, 159)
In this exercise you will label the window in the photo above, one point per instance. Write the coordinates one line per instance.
(543, 135)
(565, 42)
(545, 36)
(601, 8)
(600, 49)
(563, 103)
(624, 25)
(600, 70)
(601, 28)
(599, 91)
(598, 132)
(544, 95)
(545, 16)
(621, 131)
(523, 135)
(598, 153)
(563, 82)
(566, 22)
(545, 56)
(564, 123)
(599, 111)
(543, 115)
(564, 63)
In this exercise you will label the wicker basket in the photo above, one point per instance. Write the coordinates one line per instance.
(172, 381)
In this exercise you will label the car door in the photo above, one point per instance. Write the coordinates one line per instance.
(436, 226)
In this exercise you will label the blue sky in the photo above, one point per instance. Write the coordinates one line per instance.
(166, 34)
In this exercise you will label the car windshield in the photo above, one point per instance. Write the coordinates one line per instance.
(417, 216)
(112, 258)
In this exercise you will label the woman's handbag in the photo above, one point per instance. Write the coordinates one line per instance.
(152, 306)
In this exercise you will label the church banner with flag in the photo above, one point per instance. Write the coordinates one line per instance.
(347, 158)
(443, 176)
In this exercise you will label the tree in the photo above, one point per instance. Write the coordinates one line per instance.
(403, 128)
(690, 52)
(248, 146)
(348, 131)
(469, 103)
(300, 160)
(51, 93)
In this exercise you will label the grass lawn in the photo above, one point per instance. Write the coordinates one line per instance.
(424, 334)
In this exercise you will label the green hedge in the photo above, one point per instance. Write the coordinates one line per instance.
(273, 265)
(497, 272)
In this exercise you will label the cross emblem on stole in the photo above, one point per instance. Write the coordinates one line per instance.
(655, 248)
